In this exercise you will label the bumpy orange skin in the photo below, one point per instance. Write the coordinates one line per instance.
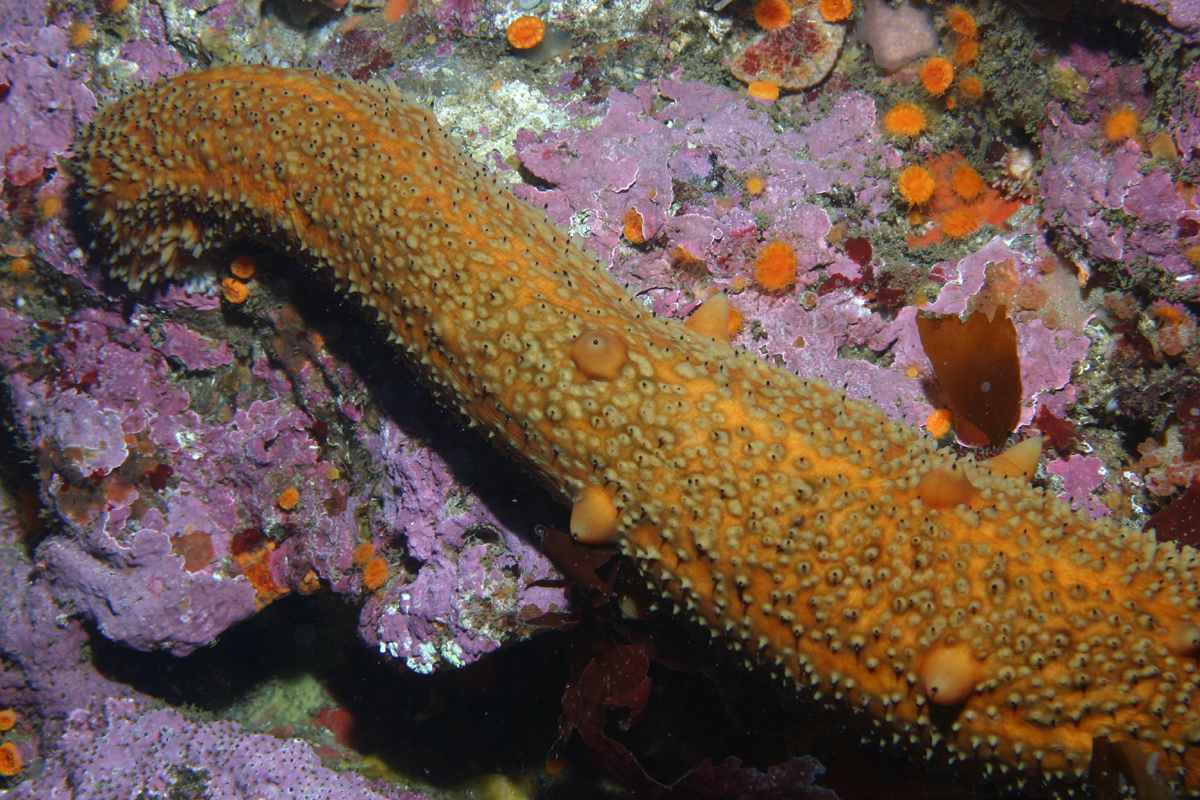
(833, 547)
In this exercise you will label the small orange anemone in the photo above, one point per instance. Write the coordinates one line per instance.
(79, 34)
(937, 74)
(771, 15)
(525, 32)
(394, 10)
(633, 227)
(8, 719)
(755, 185)
(939, 423)
(375, 573)
(961, 222)
(915, 185)
(1121, 125)
(1167, 314)
(243, 267)
(971, 88)
(966, 51)
(962, 22)
(234, 291)
(49, 206)
(966, 182)
(288, 498)
(362, 554)
(905, 119)
(763, 90)
(10, 759)
(835, 10)
(775, 268)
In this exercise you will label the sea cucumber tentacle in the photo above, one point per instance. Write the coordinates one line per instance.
(833, 547)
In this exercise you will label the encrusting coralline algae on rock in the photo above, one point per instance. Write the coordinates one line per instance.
(949, 603)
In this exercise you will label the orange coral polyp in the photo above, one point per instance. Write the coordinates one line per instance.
(905, 119)
(10, 760)
(915, 185)
(1121, 124)
(375, 573)
(962, 22)
(288, 498)
(961, 222)
(243, 267)
(966, 51)
(835, 10)
(936, 75)
(771, 15)
(775, 269)
(971, 88)
(234, 291)
(525, 32)
(939, 423)
(632, 227)
(966, 183)
(763, 90)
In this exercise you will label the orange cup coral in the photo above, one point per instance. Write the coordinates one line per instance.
(936, 75)
(525, 32)
(763, 90)
(835, 10)
(375, 573)
(1121, 124)
(905, 119)
(10, 759)
(915, 185)
(632, 227)
(289, 498)
(234, 291)
(243, 267)
(966, 51)
(962, 22)
(971, 88)
(966, 182)
(771, 15)
(961, 222)
(939, 423)
(775, 269)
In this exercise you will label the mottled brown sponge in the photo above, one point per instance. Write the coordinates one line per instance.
(953, 607)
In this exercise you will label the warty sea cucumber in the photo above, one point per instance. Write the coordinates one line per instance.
(953, 606)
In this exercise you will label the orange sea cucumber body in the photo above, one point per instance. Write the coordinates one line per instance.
(831, 546)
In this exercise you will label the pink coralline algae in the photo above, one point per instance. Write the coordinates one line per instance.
(1081, 476)
(1109, 201)
(152, 54)
(463, 602)
(42, 660)
(148, 471)
(124, 748)
(45, 100)
(664, 164)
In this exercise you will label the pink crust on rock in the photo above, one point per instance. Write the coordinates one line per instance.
(794, 57)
